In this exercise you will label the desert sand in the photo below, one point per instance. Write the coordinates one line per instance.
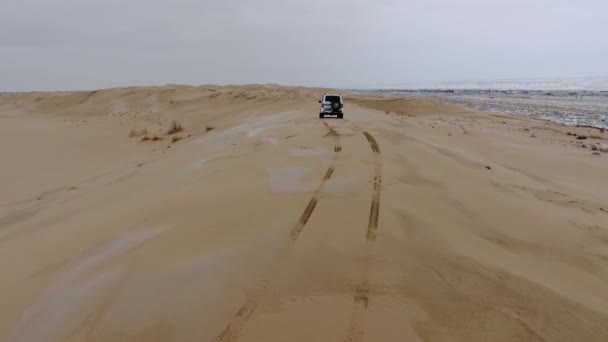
(409, 220)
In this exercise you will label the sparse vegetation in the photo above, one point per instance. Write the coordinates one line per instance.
(581, 137)
(209, 129)
(176, 139)
(594, 147)
(175, 128)
(153, 138)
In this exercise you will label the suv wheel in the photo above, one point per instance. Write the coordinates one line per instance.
(340, 116)
(321, 115)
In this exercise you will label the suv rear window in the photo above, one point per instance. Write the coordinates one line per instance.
(332, 98)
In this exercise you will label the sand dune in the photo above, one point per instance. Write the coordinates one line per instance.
(409, 220)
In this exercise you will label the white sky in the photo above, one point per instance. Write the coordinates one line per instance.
(79, 44)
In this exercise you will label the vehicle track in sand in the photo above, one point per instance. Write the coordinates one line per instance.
(236, 325)
(361, 297)
(333, 133)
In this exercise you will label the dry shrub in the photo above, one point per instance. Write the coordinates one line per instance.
(209, 128)
(594, 147)
(135, 133)
(176, 139)
(175, 127)
(153, 138)
(581, 137)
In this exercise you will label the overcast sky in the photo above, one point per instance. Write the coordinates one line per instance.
(85, 44)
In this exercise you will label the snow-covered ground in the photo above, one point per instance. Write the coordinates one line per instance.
(573, 101)
(569, 108)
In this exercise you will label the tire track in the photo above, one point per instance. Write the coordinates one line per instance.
(356, 329)
(372, 142)
(236, 325)
(312, 204)
(374, 213)
(361, 297)
(333, 133)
